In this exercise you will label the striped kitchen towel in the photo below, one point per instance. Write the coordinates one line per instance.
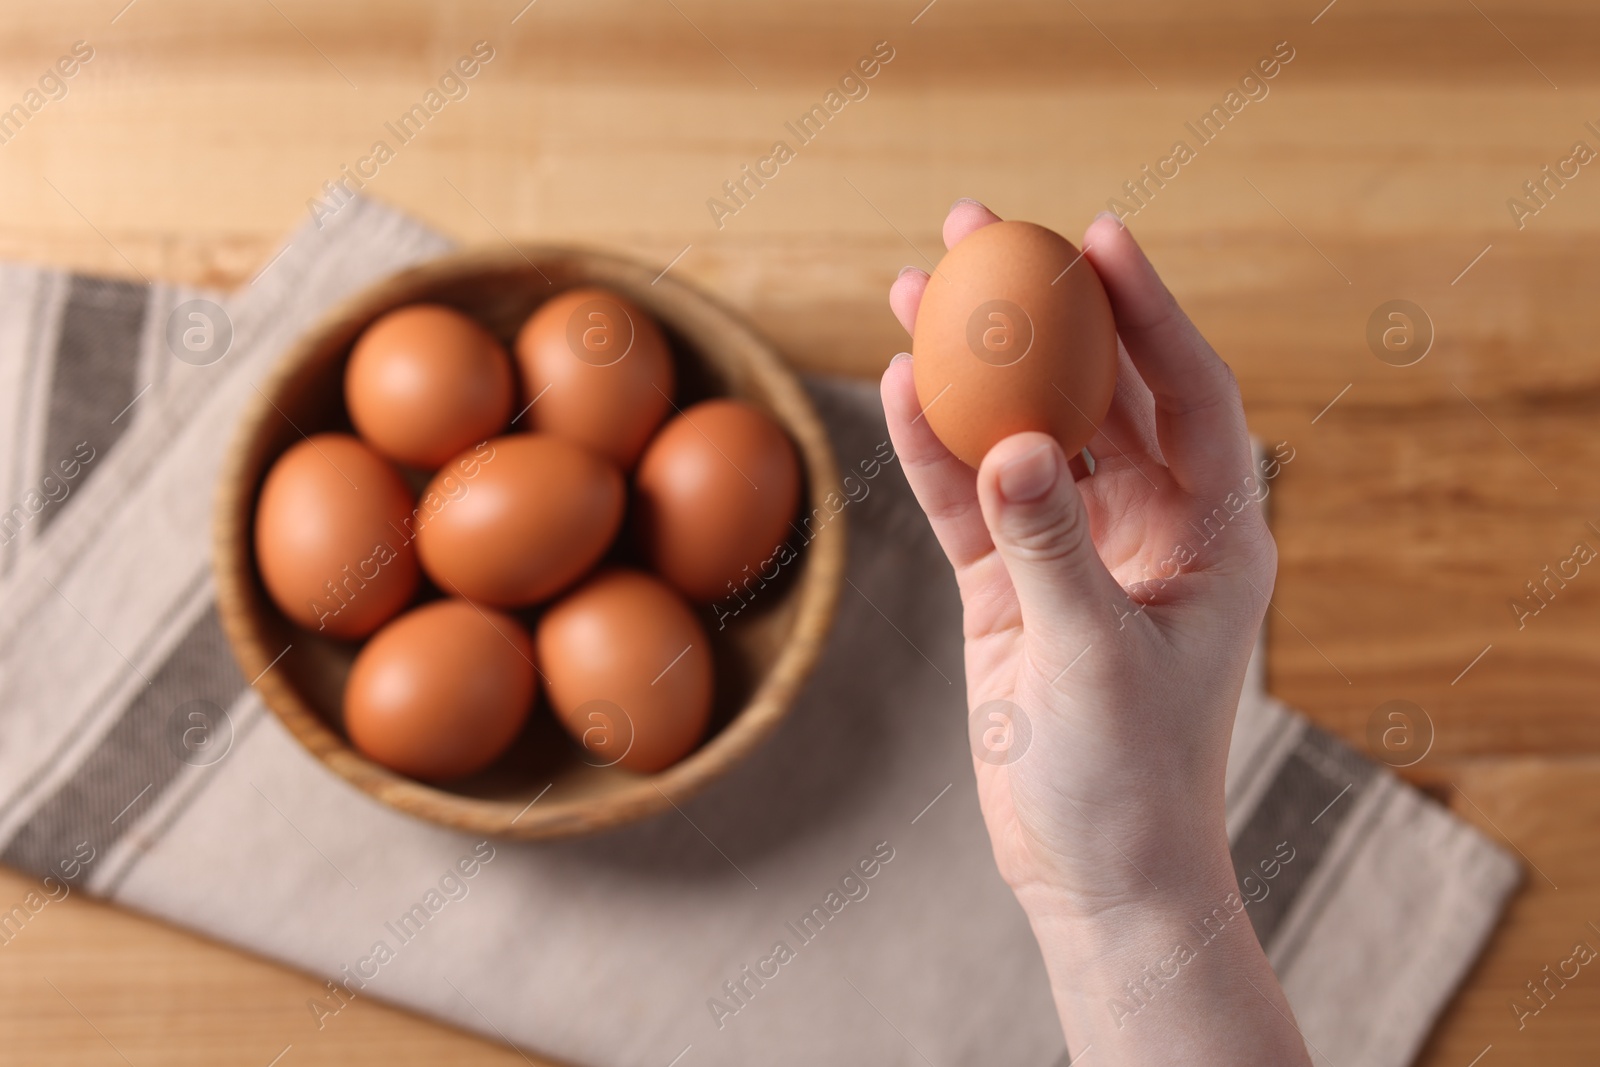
(832, 900)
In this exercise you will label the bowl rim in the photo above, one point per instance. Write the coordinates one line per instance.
(240, 601)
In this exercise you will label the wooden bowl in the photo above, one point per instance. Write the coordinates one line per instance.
(543, 787)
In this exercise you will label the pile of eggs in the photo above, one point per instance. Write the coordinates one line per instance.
(471, 533)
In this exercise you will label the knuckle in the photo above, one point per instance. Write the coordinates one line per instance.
(1221, 384)
(1051, 534)
(1256, 555)
(1267, 552)
(1227, 380)
(1212, 384)
(946, 508)
(1261, 547)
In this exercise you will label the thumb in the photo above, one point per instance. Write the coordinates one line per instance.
(1040, 527)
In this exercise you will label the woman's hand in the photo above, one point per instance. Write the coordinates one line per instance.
(1109, 619)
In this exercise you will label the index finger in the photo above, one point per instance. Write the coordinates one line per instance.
(945, 487)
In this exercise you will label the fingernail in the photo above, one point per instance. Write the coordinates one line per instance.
(1029, 476)
(906, 270)
(1108, 215)
(965, 200)
(903, 357)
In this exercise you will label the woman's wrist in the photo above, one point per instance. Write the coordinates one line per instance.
(1114, 869)
(1094, 935)
(1165, 974)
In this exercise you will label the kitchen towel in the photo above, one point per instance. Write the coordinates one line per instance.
(654, 944)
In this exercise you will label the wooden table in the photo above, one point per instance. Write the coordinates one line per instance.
(1421, 500)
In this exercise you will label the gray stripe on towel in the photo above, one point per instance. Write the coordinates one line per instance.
(96, 371)
(136, 760)
(1314, 790)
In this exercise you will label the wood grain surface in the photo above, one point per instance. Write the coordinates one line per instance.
(1377, 167)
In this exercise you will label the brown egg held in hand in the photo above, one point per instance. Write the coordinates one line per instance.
(425, 382)
(599, 371)
(539, 512)
(627, 668)
(330, 536)
(441, 691)
(1014, 333)
(715, 492)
